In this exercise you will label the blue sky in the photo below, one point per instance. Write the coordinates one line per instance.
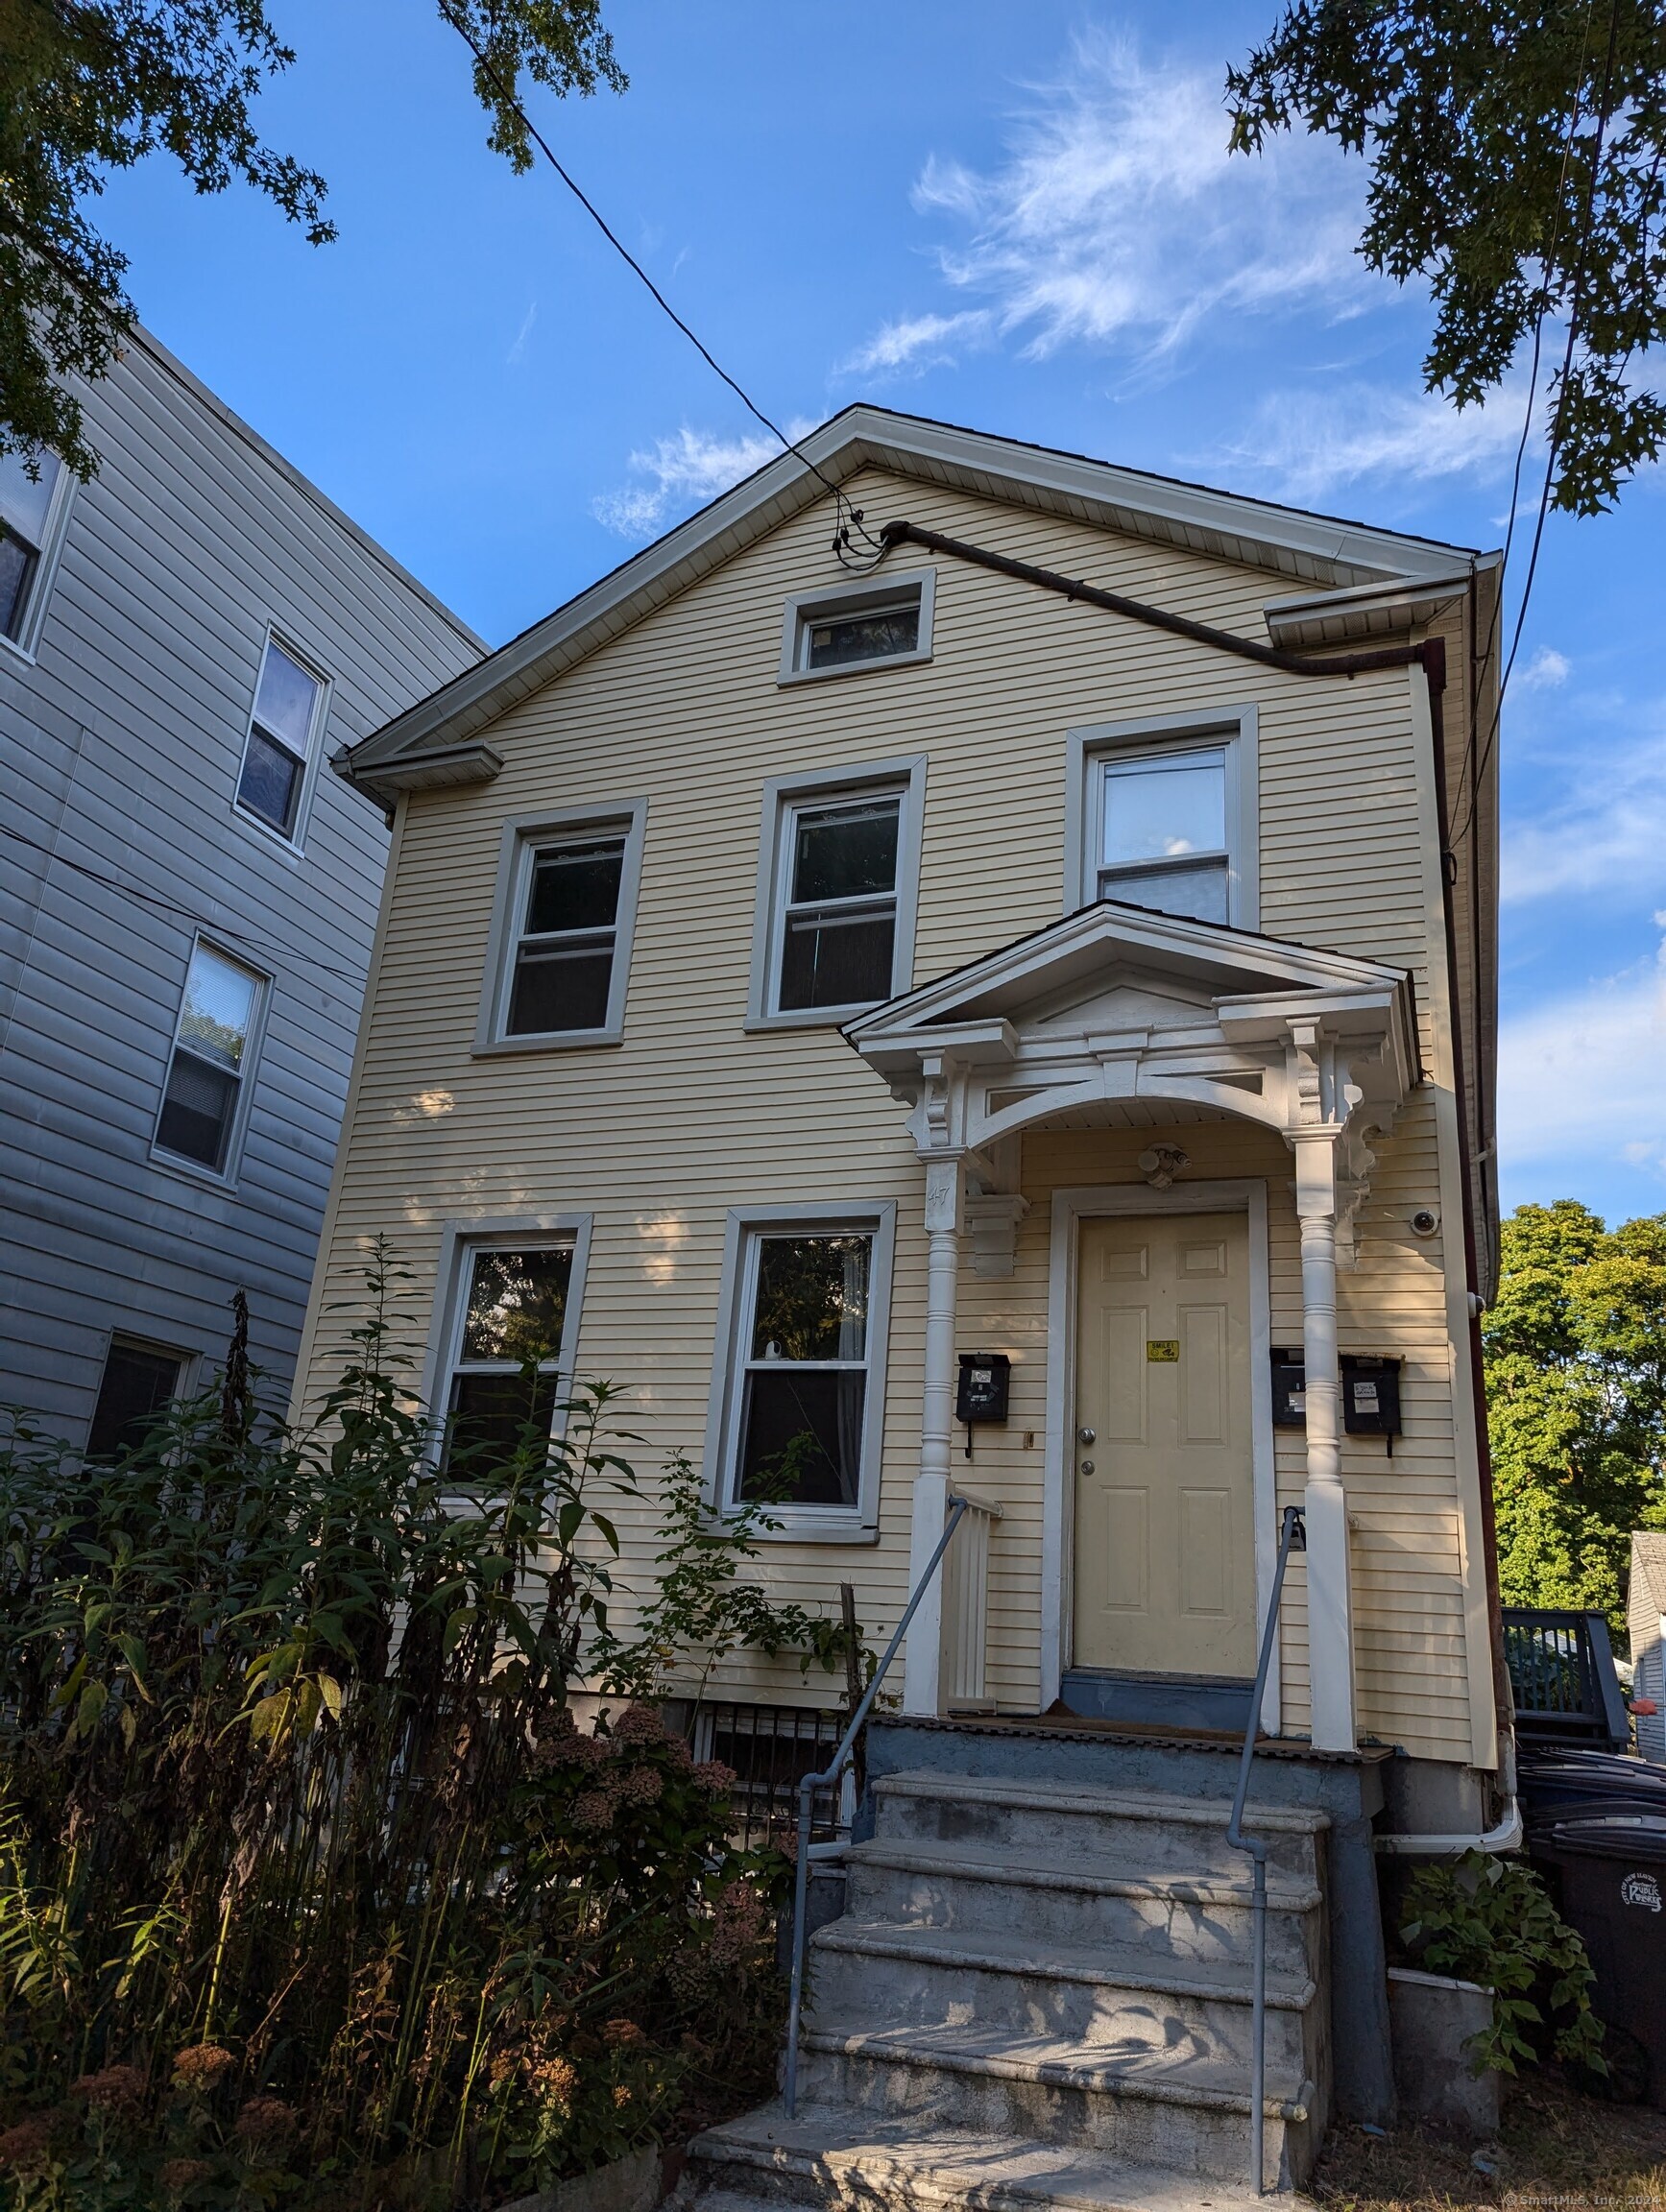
(1018, 218)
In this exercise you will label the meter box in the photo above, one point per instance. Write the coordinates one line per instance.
(1371, 1393)
(985, 1381)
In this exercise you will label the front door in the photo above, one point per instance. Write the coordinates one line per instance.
(1165, 1538)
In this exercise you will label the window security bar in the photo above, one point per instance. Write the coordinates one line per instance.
(1293, 1538)
(827, 1779)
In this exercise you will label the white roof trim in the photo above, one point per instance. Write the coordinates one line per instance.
(1221, 524)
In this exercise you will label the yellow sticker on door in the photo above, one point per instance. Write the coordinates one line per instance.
(1162, 1347)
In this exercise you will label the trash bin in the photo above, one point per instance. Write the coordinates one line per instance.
(1576, 1785)
(1613, 1876)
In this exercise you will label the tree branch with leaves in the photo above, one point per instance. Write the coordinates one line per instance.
(89, 88)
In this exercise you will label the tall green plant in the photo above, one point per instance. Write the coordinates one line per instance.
(310, 1888)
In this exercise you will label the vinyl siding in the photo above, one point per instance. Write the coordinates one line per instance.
(690, 1116)
(120, 747)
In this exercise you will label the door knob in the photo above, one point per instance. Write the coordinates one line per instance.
(1085, 1436)
(1087, 1466)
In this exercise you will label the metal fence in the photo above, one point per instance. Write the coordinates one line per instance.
(769, 1748)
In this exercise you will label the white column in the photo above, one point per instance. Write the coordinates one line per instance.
(1329, 1598)
(922, 1680)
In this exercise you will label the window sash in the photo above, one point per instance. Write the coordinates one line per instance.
(286, 825)
(460, 1369)
(533, 949)
(223, 1069)
(847, 909)
(745, 1366)
(1217, 862)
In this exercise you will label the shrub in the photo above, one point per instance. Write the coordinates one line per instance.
(310, 1889)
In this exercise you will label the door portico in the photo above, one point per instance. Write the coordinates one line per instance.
(1118, 1011)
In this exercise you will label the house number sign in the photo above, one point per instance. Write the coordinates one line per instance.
(1162, 1347)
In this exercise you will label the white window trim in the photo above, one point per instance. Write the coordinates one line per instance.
(879, 592)
(1230, 730)
(24, 645)
(781, 796)
(459, 1241)
(292, 842)
(217, 1178)
(800, 1524)
(521, 836)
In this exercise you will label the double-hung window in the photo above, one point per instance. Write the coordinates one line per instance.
(839, 874)
(288, 699)
(562, 928)
(799, 1397)
(209, 1066)
(504, 1371)
(27, 506)
(1168, 819)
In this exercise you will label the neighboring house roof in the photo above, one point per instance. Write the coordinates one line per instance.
(1649, 1564)
(1368, 580)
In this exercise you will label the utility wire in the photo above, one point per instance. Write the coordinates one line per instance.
(1553, 441)
(285, 955)
(849, 518)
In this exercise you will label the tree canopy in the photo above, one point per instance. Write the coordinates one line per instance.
(1576, 1377)
(89, 86)
(1515, 149)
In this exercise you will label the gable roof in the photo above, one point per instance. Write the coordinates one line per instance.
(437, 741)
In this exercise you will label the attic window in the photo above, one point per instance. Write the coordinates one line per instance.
(838, 633)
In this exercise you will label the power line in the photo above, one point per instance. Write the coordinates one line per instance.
(1553, 441)
(849, 518)
(285, 955)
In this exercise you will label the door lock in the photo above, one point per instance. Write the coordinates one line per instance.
(1087, 1466)
(1085, 1436)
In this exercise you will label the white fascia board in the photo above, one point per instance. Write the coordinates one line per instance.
(1223, 525)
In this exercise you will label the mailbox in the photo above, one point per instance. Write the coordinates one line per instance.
(1288, 1390)
(1371, 1394)
(985, 1378)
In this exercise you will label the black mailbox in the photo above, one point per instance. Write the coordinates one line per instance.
(985, 1377)
(1371, 1394)
(1288, 1390)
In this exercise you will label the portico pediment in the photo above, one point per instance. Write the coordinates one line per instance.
(1115, 1003)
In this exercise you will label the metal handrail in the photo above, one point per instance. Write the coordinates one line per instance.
(830, 1774)
(1291, 1537)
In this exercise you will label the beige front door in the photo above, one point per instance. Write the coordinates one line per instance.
(1164, 1539)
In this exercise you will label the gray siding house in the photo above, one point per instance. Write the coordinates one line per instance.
(187, 895)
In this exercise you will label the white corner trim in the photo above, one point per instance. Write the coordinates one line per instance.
(878, 594)
(802, 1524)
(520, 834)
(904, 774)
(1235, 728)
(1484, 1743)
(1071, 1207)
(463, 1236)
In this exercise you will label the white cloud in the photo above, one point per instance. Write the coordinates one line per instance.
(684, 471)
(917, 341)
(1603, 837)
(1544, 671)
(1583, 1078)
(518, 351)
(1119, 219)
(1309, 445)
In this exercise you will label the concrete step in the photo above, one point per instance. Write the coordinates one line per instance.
(1098, 1899)
(1114, 2001)
(1180, 2111)
(851, 2162)
(1165, 1834)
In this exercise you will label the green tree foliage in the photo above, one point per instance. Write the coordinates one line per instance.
(1576, 1379)
(89, 86)
(1517, 152)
